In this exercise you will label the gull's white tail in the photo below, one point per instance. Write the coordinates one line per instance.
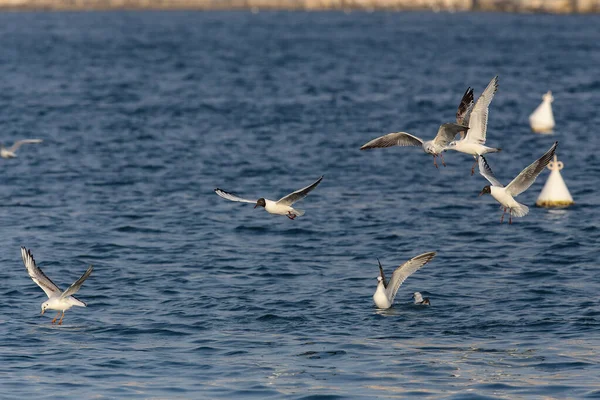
(520, 211)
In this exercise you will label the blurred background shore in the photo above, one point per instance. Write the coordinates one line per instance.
(524, 6)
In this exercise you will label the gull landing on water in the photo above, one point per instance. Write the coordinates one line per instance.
(282, 206)
(476, 117)
(420, 300)
(386, 291)
(505, 195)
(9, 152)
(57, 299)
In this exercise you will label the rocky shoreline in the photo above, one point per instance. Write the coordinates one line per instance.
(523, 6)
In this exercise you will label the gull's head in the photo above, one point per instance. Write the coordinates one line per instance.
(44, 307)
(260, 202)
(486, 190)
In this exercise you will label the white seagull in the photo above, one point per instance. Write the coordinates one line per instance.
(9, 152)
(420, 300)
(386, 291)
(435, 147)
(505, 195)
(282, 206)
(57, 299)
(474, 141)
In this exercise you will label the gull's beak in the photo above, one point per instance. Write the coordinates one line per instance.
(42, 312)
(481, 193)
(256, 205)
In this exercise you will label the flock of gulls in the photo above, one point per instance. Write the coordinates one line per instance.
(471, 125)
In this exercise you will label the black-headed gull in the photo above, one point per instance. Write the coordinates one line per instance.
(282, 206)
(9, 152)
(386, 291)
(57, 299)
(435, 147)
(474, 141)
(420, 300)
(505, 195)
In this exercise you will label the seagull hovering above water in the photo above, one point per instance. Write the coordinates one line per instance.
(435, 147)
(505, 195)
(9, 152)
(386, 291)
(57, 299)
(474, 141)
(282, 206)
(420, 300)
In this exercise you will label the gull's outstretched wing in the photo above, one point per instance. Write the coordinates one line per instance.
(18, 144)
(382, 274)
(298, 194)
(486, 172)
(232, 197)
(393, 139)
(406, 270)
(447, 132)
(38, 275)
(464, 108)
(479, 115)
(526, 178)
(74, 288)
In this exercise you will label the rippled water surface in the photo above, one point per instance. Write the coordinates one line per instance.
(144, 114)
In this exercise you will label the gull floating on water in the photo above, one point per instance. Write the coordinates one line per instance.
(386, 291)
(420, 300)
(437, 145)
(9, 152)
(505, 195)
(474, 141)
(282, 206)
(57, 299)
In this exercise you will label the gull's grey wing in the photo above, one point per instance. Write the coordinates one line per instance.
(74, 288)
(232, 197)
(393, 139)
(406, 270)
(526, 178)
(38, 276)
(479, 115)
(464, 108)
(486, 172)
(18, 144)
(382, 274)
(298, 194)
(447, 132)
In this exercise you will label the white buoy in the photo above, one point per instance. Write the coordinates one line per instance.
(542, 119)
(555, 192)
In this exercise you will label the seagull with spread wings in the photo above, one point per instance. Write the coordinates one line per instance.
(282, 206)
(57, 299)
(476, 117)
(9, 152)
(505, 195)
(386, 291)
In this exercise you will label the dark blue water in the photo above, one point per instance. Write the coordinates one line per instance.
(192, 296)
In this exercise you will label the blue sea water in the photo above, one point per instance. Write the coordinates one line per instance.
(143, 114)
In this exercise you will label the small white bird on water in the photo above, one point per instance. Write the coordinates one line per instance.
(9, 152)
(420, 300)
(282, 206)
(386, 291)
(437, 145)
(505, 195)
(474, 141)
(57, 299)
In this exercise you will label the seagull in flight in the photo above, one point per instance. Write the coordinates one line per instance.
(386, 291)
(505, 195)
(9, 152)
(420, 300)
(474, 141)
(282, 206)
(57, 299)
(435, 147)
